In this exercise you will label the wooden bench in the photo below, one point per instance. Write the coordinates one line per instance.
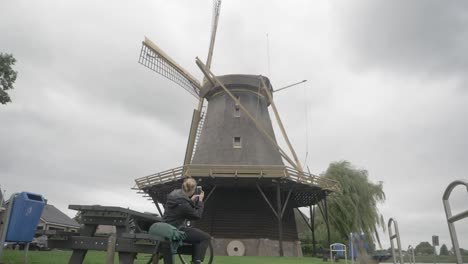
(128, 241)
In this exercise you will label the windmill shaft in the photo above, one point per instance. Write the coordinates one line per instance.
(291, 85)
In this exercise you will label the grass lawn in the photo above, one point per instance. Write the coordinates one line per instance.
(96, 257)
(99, 257)
(430, 259)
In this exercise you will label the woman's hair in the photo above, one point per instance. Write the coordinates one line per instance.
(189, 185)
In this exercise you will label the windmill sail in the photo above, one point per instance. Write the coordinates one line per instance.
(214, 27)
(157, 60)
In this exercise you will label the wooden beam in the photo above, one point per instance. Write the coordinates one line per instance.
(150, 44)
(286, 202)
(283, 131)
(312, 227)
(193, 132)
(158, 207)
(280, 220)
(266, 200)
(328, 220)
(209, 194)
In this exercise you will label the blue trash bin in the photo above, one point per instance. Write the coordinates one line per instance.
(25, 214)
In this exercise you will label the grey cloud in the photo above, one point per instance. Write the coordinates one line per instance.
(427, 37)
(87, 119)
(85, 55)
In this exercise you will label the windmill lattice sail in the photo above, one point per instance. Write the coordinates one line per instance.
(152, 57)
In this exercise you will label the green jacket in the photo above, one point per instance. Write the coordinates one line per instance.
(169, 232)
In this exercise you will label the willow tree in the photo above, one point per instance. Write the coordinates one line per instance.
(355, 209)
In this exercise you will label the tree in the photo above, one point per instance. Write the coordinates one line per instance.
(355, 208)
(78, 218)
(424, 248)
(7, 76)
(443, 250)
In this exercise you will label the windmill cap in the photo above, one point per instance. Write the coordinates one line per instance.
(237, 81)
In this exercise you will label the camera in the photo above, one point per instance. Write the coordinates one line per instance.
(198, 190)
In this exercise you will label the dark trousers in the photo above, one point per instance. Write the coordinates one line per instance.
(199, 240)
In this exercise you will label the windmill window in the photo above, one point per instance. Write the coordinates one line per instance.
(236, 111)
(237, 143)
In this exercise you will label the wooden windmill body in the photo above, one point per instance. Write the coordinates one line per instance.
(232, 151)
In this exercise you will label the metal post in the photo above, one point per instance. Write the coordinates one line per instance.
(452, 219)
(412, 259)
(280, 222)
(351, 245)
(26, 251)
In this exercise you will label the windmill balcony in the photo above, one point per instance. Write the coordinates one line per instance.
(235, 171)
(308, 188)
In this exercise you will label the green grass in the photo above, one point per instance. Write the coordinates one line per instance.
(96, 257)
(99, 257)
(430, 259)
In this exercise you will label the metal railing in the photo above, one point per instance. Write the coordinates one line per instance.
(343, 249)
(410, 253)
(397, 237)
(451, 219)
(236, 171)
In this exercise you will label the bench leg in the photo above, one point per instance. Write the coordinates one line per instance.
(126, 258)
(155, 256)
(169, 259)
(78, 256)
(154, 259)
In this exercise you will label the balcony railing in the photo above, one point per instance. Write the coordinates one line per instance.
(236, 171)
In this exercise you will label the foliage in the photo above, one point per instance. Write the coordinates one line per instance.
(355, 209)
(307, 249)
(78, 218)
(443, 250)
(424, 248)
(7, 76)
(464, 252)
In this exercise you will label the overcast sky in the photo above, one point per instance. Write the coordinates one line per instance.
(387, 90)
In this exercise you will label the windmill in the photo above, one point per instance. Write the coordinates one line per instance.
(233, 153)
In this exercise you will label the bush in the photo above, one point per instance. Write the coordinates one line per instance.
(307, 249)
